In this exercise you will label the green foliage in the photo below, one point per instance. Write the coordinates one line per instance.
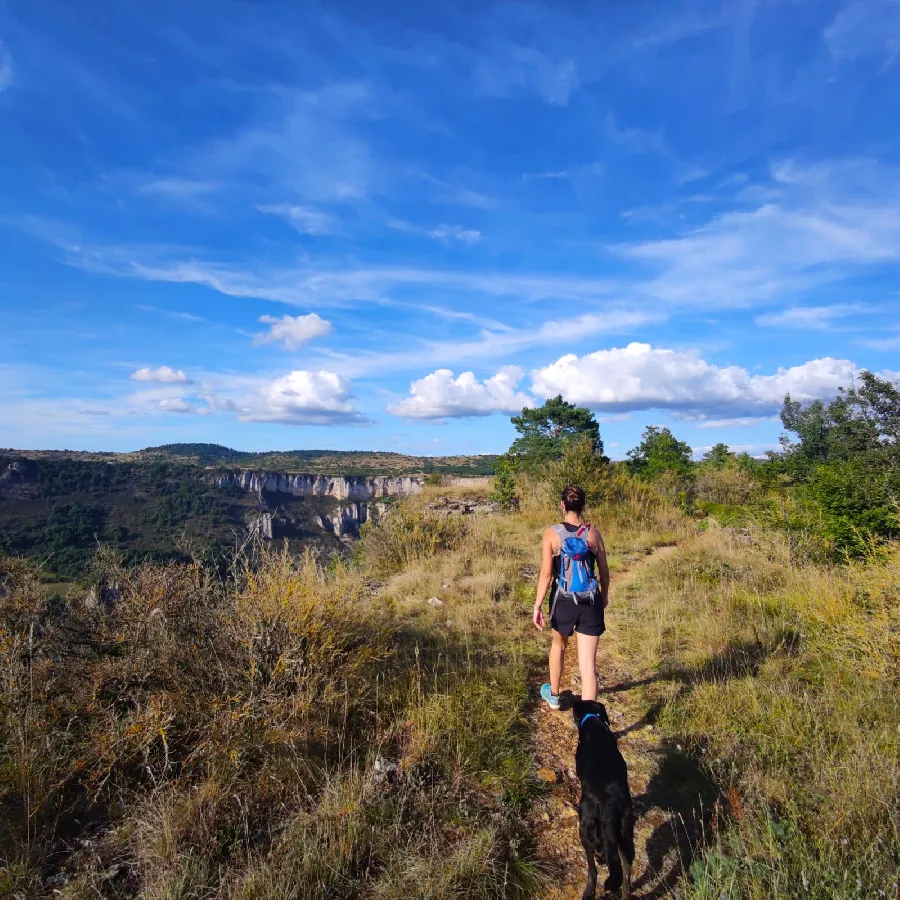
(718, 456)
(660, 452)
(845, 464)
(581, 465)
(505, 482)
(545, 431)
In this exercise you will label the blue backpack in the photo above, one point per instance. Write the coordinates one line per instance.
(576, 579)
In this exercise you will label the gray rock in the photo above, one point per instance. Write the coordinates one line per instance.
(385, 771)
(435, 602)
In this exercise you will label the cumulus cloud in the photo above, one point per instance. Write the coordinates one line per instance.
(162, 375)
(292, 332)
(455, 233)
(440, 395)
(643, 377)
(304, 398)
(174, 405)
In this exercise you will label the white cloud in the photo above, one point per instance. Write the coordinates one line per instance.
(440, 395)
(740, 422)
(305, 219)
(174, 405)
(817, 317)
(642, 377)
(892, 342)
(292, 331)
(5, 68)
(636, 140)
(456, 233)
(187, 189)
(865, 28)
(162, 375)
(492, 344)
(816, 224)
(304, 398)
(513, 67)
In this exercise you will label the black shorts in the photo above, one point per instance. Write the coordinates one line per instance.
(585, 618)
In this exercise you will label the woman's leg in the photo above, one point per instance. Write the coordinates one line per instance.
(557, 657)
(587, 664)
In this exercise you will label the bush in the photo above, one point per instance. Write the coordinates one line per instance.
(406, 535)
(504, 491)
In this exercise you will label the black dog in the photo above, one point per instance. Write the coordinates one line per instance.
(607, 818)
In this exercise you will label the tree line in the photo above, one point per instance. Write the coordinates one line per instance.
(833, 487)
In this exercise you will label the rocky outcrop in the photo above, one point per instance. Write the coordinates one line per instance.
(357, 489)
(18, 476)
(261, 526)
(348, 518)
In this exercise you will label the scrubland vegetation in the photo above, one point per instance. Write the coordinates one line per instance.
(301, 727)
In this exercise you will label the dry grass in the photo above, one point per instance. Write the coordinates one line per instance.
(781, 680)
(229, 739)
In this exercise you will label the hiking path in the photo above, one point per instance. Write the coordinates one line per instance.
(664, 830)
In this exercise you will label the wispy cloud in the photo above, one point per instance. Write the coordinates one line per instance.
(456, 233)
(6, 68)
(636, 140)
(865, 28)
(490, 345)
(821, 223)
(509, 67)
(305, 219)
(820, 318)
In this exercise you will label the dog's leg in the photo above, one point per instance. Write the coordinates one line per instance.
(611, 851)
(626, 849)
(588, 832)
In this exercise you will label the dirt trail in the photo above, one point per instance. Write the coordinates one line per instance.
(659, 804)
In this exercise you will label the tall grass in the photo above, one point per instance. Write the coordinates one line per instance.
(782, 681)
(284, 732)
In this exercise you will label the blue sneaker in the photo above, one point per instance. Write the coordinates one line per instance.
(548, 695)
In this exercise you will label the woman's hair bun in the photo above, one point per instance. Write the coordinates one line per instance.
(573, 498)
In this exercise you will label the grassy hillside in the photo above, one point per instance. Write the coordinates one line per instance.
(284, 730)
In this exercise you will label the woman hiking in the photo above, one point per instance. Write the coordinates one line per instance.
(571, 552)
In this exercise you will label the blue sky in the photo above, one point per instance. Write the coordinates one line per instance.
(277, 225)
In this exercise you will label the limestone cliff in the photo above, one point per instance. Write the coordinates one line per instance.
(356, 489)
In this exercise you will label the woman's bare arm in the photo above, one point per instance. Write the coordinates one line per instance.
(544, 578)
(595, 539)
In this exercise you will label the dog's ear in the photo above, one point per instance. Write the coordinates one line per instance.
(567, 700)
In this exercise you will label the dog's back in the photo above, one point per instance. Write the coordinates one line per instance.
(606, 814)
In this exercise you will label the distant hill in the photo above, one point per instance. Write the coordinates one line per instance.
(162, 503)
(332, 462)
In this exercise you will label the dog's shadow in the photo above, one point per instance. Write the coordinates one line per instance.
(680, 787)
